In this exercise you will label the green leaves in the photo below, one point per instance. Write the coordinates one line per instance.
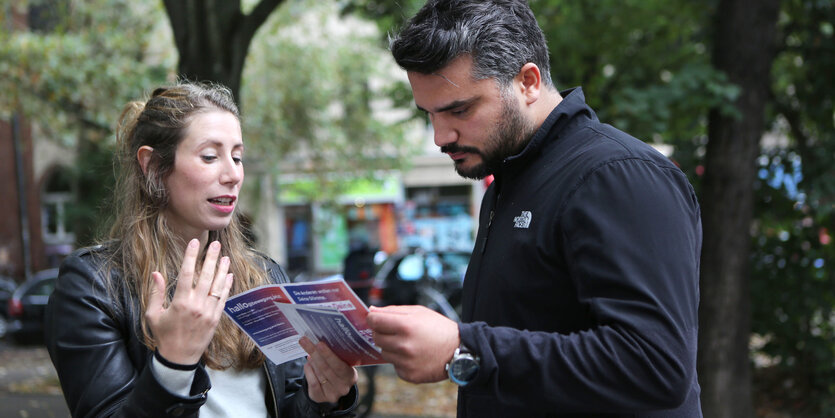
(315, 96)
(78, 75)
(70, 80)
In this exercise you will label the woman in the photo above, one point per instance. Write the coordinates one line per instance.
(135, 325)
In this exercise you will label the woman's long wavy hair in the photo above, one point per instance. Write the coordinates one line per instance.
(142, 237)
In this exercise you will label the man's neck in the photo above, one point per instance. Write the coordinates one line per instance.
(548, 100)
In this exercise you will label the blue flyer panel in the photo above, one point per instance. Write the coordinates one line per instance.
(277, 316)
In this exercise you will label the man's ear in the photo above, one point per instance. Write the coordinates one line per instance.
(529, 81)
(143, 155)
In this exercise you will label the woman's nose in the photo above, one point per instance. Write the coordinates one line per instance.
(233, 172)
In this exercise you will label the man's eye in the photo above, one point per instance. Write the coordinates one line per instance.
(459, 112)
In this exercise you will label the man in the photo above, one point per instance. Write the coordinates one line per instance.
(581, 296)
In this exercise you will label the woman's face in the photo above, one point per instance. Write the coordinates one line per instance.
(207, 177)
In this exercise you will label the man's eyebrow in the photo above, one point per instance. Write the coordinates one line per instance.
(451, 105)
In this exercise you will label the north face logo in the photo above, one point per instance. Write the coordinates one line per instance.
(523, 220)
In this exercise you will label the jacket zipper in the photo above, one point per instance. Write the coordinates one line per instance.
(490, 222)
(487, 232)
(272, 391)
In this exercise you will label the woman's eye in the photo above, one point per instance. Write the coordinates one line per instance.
(209, 158)
(238, 160)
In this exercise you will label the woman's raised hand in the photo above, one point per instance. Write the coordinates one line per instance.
(184, 329)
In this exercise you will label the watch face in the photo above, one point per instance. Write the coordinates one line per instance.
(463, 369)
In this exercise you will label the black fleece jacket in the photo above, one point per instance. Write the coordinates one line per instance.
(582, 294)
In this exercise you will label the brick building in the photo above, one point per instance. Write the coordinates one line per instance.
(33, 181)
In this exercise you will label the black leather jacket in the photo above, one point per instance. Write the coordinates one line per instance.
(104, 369)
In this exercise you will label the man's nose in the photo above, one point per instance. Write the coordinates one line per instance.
(444, 133)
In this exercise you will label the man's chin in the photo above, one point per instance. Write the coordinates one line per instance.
(476, 172)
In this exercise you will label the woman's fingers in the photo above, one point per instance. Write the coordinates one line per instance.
(319, 388)
(326, 362)
(212, 276)
(219, 281)
(185, 280)
(315, 389)
(221, 295)
(207, 275)
(185, 327)
(157, 298)
(328, 376)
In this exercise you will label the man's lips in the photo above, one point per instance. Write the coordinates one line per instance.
(457, 155)
(458, 152)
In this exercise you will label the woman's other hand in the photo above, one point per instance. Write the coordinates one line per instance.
(328, 377)
(184, 329)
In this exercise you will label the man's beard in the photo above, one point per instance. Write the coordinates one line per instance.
(507, 138)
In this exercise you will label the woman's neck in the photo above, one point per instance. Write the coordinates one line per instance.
(185, 238)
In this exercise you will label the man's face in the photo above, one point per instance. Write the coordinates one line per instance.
(477, 123)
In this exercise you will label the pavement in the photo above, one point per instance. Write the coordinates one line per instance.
(29, 388)
(32, 405)
(28, 383)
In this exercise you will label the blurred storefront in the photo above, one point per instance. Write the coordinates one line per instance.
(440, 208)
(437, 218)
(317, 235)
(427, 207)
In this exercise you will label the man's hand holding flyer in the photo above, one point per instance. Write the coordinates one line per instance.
(277, 316)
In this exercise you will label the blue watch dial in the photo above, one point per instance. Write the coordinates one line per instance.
(463, 368)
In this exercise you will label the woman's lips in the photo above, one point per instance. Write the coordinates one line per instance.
(225, 204)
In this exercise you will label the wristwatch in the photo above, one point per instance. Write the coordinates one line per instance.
(463, 367)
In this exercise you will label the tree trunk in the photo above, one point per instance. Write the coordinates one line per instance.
(213, 38)
(744, 48)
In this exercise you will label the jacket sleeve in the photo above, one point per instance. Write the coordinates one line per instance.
(86, 335)
(631, 238)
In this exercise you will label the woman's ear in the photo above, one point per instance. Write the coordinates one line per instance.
(143, 155)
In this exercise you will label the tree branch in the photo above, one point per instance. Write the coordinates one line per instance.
(77, 110)
(256, 18)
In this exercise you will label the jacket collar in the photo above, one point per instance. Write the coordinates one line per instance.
(556, 124)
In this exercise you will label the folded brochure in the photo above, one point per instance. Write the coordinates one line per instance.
(276, 316)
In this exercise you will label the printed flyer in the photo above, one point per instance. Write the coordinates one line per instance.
(277, 316)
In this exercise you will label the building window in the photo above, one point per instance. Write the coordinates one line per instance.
(56, 199)
(54, 216)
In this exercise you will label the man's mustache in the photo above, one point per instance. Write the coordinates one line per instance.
(455, 148)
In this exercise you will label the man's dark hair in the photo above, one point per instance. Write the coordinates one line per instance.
(500, 35)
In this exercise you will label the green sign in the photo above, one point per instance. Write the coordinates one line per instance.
(332, 234)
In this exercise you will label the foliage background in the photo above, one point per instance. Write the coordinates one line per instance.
(72, 75)
(644, 66)
(316, 98)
